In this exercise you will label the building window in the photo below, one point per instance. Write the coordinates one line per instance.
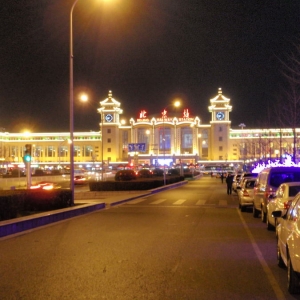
(108, 130)
(88, 151)
(14, 151)
(125, 139)
(50, 151)
(109, 140)
(38, 151)
(220, 148)
(165, 139)
(62, 151)
(220, 139)
(143, 135)
(220, 157)
(77, 151)
(186, 140)
(220, 128)
(108, 149)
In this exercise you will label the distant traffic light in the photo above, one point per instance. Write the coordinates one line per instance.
(27, 153)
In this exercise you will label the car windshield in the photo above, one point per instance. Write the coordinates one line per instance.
(250, 184)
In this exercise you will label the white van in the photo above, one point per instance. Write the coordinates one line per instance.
(267, 183)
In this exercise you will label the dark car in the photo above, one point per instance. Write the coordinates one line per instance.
(144, 173)
(173, 172)
(125, 175)
(267, 184)
(158, 172)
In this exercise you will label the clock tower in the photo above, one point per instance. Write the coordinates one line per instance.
(109, 123)
(220, 127)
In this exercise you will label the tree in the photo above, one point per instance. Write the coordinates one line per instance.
(288, 105)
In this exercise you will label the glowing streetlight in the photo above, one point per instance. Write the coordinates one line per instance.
(84, 97)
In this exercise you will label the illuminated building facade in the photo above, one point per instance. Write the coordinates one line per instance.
(168, 138)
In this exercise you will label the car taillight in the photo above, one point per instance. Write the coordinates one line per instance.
(287, 204)
(48, 187)
(246, 194)
(268, 193)
(34, 187)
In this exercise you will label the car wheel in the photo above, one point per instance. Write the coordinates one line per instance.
(276, 224)
(280, 261)
(243, 208)
(269, 226)
(263, 216)
(255, 212)
(293, 280)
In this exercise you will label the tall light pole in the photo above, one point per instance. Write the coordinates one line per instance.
(102, 147)
(71, 107)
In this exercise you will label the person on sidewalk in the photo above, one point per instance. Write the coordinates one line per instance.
(229, 181)
(222, 177)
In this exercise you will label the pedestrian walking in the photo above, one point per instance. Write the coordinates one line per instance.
(222, 177)
(229, 181)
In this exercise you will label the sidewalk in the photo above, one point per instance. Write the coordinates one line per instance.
(85, 202)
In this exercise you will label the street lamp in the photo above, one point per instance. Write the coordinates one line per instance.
(164, 115)
(71, 107)
(102, 147)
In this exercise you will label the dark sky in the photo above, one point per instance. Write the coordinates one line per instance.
(147, 52)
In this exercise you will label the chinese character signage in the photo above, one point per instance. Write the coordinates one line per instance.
(164, 116)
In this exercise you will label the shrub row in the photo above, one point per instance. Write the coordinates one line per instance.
(136, 185)
(14, 203)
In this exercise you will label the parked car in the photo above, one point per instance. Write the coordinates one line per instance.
(288, 243)
(236, 180)
(158, 172)
(80, 179)
(245, 193)
(174, 172)
(281, 201)
(45, 185)
(125, 175)
(144, 173)
(267, 184)
(246, 175)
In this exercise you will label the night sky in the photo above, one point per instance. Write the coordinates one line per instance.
(147, 52)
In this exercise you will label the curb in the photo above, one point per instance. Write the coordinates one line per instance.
(26, 223)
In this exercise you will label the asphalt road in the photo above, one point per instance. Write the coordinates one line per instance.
(187, 243)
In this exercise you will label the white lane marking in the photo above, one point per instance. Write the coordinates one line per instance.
(179, 202)
(136, 201)
(158, 201)
(200, 202)
(278, 292)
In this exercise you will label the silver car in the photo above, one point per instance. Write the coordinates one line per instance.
(288, 247)
(281, 201)
(245, 193)
(236, 180)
